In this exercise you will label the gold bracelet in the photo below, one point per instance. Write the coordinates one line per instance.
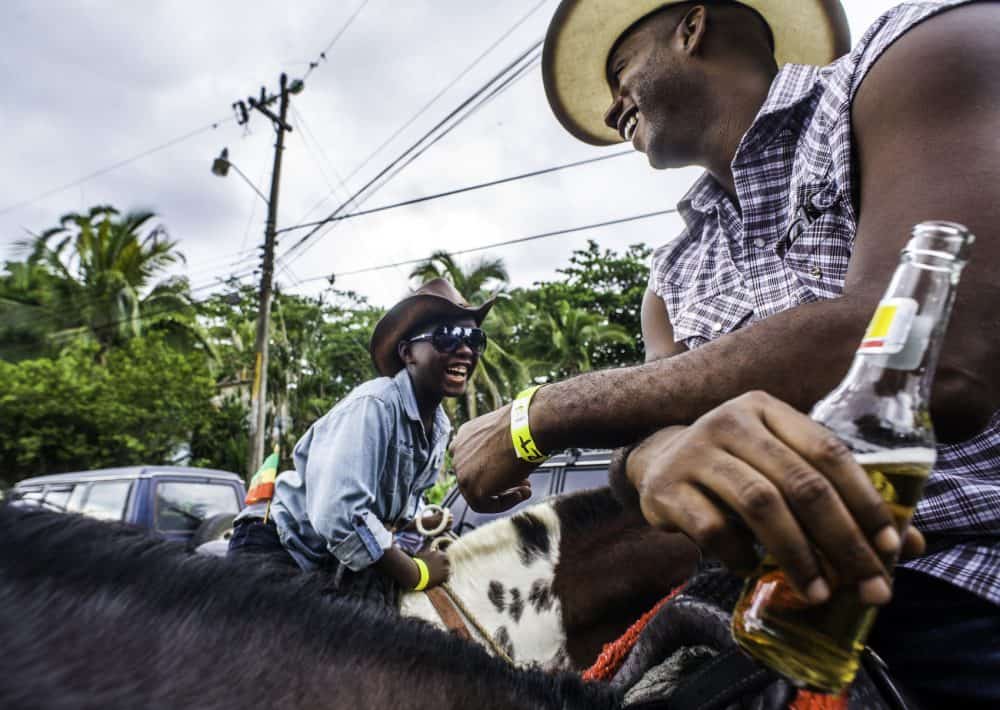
(520, 434)
(425, 574)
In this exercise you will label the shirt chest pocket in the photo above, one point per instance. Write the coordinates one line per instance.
(404, 462)
(816, 246)
(703, 315)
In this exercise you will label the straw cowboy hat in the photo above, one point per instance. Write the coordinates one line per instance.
(435, 300)
(583, 32)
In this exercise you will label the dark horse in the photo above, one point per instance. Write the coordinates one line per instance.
(100, 615)
(94, 615)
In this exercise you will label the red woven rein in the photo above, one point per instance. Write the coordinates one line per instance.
(613, 656)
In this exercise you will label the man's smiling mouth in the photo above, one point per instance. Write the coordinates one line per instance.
(628, 123)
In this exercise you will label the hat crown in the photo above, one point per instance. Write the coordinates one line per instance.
(442, 288)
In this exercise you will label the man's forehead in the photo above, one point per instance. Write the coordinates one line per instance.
(636, 34)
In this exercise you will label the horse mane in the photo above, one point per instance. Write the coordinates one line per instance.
(97, 614)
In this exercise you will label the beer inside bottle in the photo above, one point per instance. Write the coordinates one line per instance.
(881, 410)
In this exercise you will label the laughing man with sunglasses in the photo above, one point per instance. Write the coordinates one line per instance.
(361, 469)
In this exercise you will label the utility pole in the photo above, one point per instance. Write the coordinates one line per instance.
(258, 396)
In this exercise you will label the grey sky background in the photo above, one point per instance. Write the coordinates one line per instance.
(91, 83)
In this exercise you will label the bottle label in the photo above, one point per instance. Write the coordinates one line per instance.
(889, 327)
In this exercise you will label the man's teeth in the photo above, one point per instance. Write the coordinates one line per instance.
(630, 126)
(458, 370)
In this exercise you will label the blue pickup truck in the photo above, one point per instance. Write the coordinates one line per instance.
(188, 505)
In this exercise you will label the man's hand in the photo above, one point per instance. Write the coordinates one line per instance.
(490, 475)
(438, 566)
(755, 467)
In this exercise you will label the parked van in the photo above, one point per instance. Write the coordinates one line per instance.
(189, 505)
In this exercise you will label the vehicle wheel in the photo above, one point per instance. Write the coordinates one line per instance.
(217, 527)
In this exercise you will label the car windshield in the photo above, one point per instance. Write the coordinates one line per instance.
(182, 505)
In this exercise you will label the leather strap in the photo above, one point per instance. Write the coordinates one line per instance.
(719, 682)
(448, 613)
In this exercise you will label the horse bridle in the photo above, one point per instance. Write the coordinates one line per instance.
(446, 602)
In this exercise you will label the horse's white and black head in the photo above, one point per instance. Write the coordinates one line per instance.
(555, 582)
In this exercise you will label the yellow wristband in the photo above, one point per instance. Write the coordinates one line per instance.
(425, 574)
(520, 434)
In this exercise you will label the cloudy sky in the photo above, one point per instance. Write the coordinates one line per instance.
(90, 84)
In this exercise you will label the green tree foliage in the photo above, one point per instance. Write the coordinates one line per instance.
(74, 412)
(97, 275)
(105, 362)
(318, 352)
(607, 284)
(562, 338)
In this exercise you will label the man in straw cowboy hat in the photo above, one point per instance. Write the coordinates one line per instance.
(360, 469)
(813, 178)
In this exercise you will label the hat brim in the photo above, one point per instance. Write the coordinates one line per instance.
(408, 314)
(583, 32)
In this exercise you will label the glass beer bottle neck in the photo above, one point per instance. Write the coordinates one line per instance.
(884, 400)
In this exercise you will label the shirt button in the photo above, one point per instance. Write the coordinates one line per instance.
(716, 327)
(816, 271)
(759, 243)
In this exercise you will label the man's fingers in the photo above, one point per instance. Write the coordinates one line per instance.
(826, 452)
(759, 503)
(504, 501)
(914, 544)
(816, 501)
(685, 508)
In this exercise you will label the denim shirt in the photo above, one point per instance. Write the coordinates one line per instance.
(359, 470)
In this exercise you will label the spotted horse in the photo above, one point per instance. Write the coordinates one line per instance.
(552, 584)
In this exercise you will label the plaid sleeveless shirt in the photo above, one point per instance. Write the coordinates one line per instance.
(793, 174)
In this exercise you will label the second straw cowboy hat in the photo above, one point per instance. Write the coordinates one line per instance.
(583, 32)
(435, 300)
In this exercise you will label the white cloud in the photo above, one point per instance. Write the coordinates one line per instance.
(88, 84)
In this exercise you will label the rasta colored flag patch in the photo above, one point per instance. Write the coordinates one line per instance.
(262, 483)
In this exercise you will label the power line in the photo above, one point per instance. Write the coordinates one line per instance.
(423, 109)
(516, 76)
(444, 90)
(286, 257)
(458, 191)
(115, 166)
(409, 262)
(343, 28)
(306, 135)
(495, 245)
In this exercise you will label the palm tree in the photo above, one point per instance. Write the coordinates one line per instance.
(99, 272)
(561, 340)
(500, 373)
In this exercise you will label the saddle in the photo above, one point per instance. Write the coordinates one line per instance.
(685, 659)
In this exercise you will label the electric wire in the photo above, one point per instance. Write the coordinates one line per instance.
(114, 166)
(288, 255)
(235, 277)
(509, 82)
(423, 109)
(458, 191)
(495, 245)
(313, 65)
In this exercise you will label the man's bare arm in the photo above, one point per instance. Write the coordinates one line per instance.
(658, 339)
(926, 123)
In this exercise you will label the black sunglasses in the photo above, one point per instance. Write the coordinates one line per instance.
(448, 338)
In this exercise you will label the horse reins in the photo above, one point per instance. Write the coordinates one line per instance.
(448, 605)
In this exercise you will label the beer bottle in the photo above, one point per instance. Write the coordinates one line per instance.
(881, 411)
